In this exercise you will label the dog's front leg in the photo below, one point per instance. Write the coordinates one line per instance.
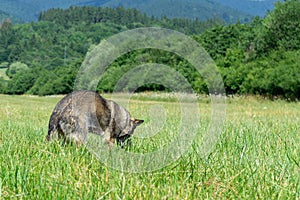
(108, 139)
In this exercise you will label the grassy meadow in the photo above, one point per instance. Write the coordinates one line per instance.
(256, 157)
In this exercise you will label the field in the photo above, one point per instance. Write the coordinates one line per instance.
(255, 157)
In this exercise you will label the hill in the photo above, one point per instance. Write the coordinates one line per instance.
(20, 9)
(253, 58)
(28, 10)
(192, 9)
(251, 7)
(5, 16)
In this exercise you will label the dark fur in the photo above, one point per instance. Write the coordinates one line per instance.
(83, 112)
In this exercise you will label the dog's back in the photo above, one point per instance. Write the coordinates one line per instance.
(76, 114)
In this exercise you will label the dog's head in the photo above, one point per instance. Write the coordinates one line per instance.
(128, 130)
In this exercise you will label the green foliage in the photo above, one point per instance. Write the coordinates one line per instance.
(261, 57)
(274, 75)
(281, 27)
(126, 18)
(40, 81)
(4, 65)
(46, 44)
(125, 63)
(221, 38)
(15, 68)
(192, 9)
(231, 67)
(23, 81)
(3, 85)
(62, 37)
(57, 81)
(6, 38)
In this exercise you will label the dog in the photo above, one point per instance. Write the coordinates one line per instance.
(83, 112)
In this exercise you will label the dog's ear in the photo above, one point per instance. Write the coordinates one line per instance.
(137, 122)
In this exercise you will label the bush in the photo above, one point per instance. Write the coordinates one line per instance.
(15, 68)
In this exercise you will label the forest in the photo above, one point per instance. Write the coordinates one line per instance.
(260, 57)
(28, 10)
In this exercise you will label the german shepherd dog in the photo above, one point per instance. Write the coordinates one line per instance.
(83, 112)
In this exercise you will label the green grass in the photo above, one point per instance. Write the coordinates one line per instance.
(256, 156)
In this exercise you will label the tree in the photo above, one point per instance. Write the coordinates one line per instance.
(6, 37)
(22, 81)
(15, 68)
(281, 27)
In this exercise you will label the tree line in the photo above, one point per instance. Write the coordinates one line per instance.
(260, 57)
